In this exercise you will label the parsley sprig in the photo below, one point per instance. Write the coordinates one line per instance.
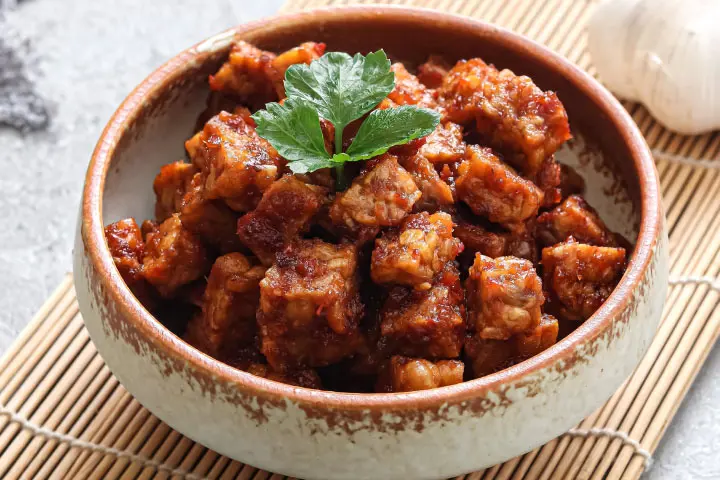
(340, 89)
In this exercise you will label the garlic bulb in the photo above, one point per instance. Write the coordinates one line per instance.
(664, 54)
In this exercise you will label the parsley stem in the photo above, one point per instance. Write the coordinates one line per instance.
(340, 167)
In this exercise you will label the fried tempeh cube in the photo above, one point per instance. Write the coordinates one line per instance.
(371, 355)
(580, 277)
(211, 220)
(541, 338)
(229, 304)
(174, 257)
(495, 243)
(486, 356)
(489, 356)
(429, 323)
(493, 190)
(574, 217)
(256, 75)
(415, 252)
(504, 297)
(477, 239)
(283, 213)
(379, 197)
(245, 74)
(126, 245)
(409, 91)
(510, 110)
(304, 53)
(548, 179)
(435, 193)
(147, 227)
(445, 144)
(170, 186)
(238, 164)
(242, 356)
(432, 72)
(310, 306)
(403, 374)
(307, 378)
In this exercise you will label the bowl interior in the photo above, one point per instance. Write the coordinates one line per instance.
(174, 97)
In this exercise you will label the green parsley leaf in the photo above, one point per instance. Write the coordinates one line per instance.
(294, 130)
(340, 87)
(383, 129)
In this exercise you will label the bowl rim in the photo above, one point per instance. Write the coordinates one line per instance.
(97, 252)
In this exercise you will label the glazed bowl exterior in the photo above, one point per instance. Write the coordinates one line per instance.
(317, 434)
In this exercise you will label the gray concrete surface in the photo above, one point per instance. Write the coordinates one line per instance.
(86, 56)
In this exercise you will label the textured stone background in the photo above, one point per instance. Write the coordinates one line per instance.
(84, 57)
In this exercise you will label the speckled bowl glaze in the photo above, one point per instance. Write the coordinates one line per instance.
(318, 434)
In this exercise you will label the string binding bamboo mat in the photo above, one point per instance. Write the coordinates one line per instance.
(63, 414)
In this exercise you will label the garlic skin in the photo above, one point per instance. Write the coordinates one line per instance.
(663, 54)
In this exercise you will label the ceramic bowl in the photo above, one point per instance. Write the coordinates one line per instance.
(319, 434)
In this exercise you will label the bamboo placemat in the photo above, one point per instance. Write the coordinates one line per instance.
(63, 414)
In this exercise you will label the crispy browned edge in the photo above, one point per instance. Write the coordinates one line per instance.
(159, 337)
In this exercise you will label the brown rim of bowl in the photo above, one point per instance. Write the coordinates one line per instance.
(171, 345)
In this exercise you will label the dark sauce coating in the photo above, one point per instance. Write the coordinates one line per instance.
(427, 323)
(526, 123)
(447, 258)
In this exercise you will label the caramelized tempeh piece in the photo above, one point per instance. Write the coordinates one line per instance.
(228, 309)
(574, 217)
(256, 75)
(445, 144)
(409, 91)
(403, 374)
(484, 357)
(504, 297)
(493, 190)
(372, 354)
(146, 227)
(238, 164)
(170, 186)
(430, 323)
(432, 72)
(211, 220)
(548, 179)
(414, 253)
(580, 277)
(126, 246)
(541, 338)
(125, 242)
(477, 239)
(307, 378)
(173, 257)
(435, 193)
(310, 306)
(379, 197)
(283, 213)
(508, 109)
(493, 244)
(489, 356)
(245, 74)
(304, 53)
